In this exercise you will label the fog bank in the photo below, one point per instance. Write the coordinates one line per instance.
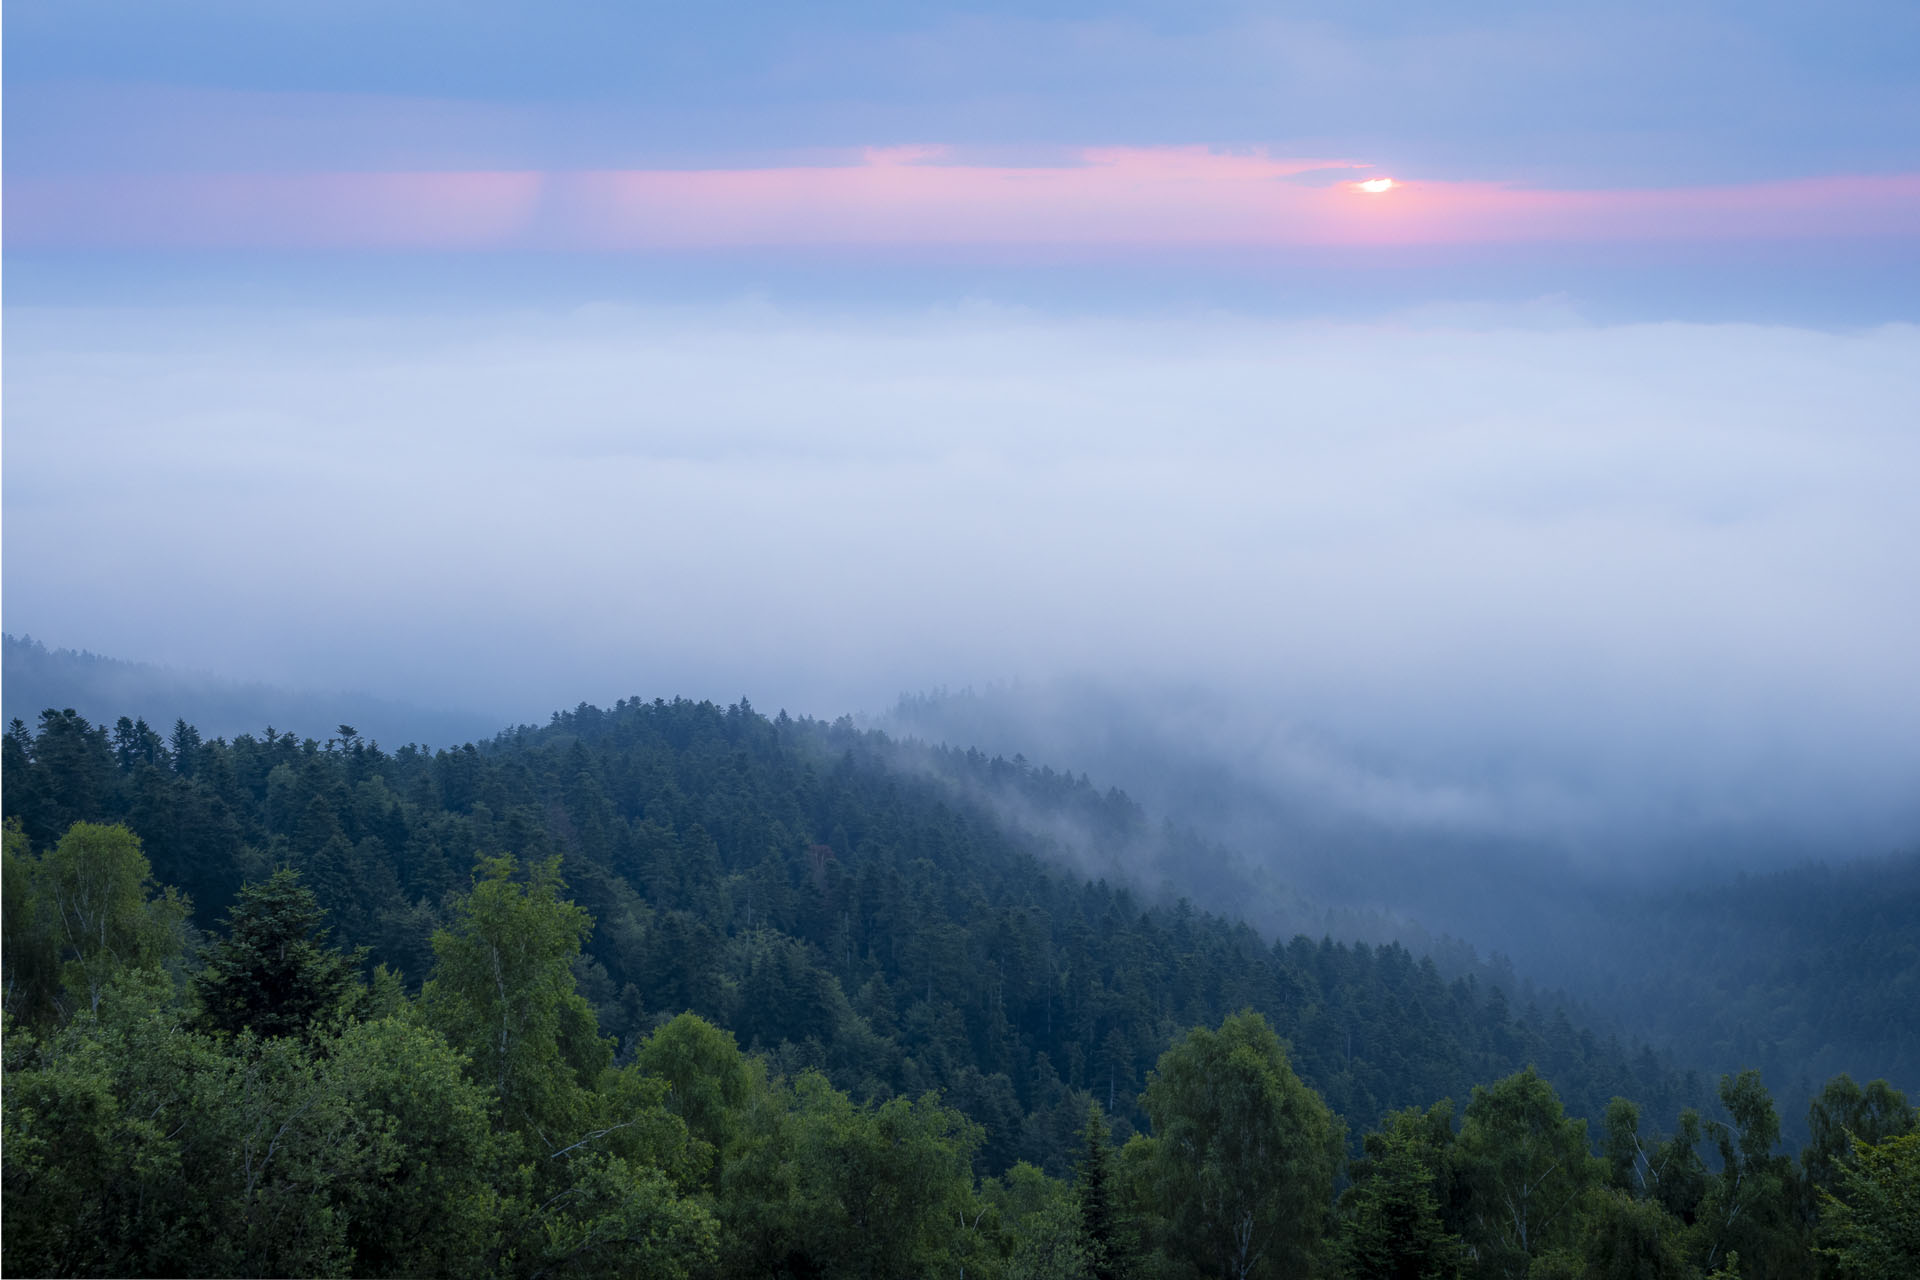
(1526, 574)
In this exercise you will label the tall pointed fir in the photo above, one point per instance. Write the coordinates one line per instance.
(1108, 1257)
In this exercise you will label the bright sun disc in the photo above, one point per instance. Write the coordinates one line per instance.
(1376, 185)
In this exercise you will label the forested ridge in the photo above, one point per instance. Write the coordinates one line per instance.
(908, 978)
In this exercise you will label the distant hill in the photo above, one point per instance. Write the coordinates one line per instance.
(103, 689)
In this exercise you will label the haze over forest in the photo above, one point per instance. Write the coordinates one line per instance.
(1438, 481)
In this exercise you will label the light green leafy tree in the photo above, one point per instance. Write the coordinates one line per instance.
(95, 909)
(600, 1178)
(427, 1205)
(1039, 1219)
(621, 1219)
(1050, 1244)
(136, 1146)
(1527, 1167)
(502, 991)
(708, 1079)
(1238, 1175)
(1872, 1226)
(814, 1180)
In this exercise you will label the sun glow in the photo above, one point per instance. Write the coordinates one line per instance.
(1374, 186)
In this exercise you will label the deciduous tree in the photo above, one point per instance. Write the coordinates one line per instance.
(1873, 1225)
(1239, 1170)
(1527, 1167)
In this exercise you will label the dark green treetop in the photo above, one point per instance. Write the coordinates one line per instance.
(274, 972)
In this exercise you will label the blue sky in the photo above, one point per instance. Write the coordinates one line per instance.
(1577, 94)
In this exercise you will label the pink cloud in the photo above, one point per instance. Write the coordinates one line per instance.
(1113, 197)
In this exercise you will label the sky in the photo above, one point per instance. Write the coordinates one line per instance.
(504, 356)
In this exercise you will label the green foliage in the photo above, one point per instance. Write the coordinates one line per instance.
(1872, 1225)
(1037, 1222)
(429, 1206)
(1527, 1167)
(503, 992)
(138, 1146)
(916, 990)
(617, 1219)
(140, 1143)
(1844, 1114)
(833, 899)
(707, 1076)
(597, 1167)
(1624, 1238)
(1428, 1135)
(273, 973)
(817, 1184)
(1681, 1174)
(1239, 1170)
(80, 915)
(1107, 1244)
(1390, 1226)
(1051, 1244)
(1748, 1205)
(1667, 1171)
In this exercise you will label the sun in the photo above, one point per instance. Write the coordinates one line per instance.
(1374, 186)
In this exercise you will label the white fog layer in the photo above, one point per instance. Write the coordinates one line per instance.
(1507, 577)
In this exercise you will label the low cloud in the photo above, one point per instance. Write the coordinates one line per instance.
(1545, 571)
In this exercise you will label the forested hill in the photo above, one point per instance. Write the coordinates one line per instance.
(789, 880)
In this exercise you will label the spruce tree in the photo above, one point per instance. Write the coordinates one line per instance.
(1101, 1227)
(1392, 1228)
(274, 971)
